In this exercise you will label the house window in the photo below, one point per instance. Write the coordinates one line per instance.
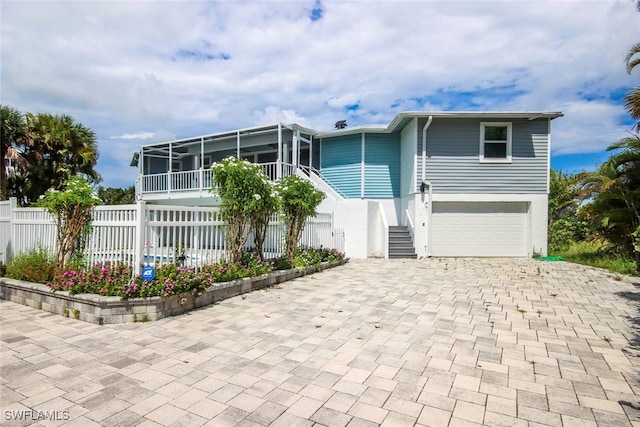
(495, 142)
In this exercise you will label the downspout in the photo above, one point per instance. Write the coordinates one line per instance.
(424, 147)
(427, 183)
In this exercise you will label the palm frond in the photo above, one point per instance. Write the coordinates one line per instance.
(629, 59)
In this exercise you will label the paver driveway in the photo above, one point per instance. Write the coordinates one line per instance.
(437, 342)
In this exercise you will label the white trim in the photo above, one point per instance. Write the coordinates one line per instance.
(487, 197)
(549, 156)
(509, 142)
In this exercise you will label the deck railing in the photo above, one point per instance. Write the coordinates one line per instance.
(200, 179)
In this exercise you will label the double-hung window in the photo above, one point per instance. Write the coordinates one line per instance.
(495, 142)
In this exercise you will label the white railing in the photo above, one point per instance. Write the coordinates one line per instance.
(270, 169)
(155, 183)
(316, 177)
(145, 234)
(409, 223)
(200, 179)
(288, 169)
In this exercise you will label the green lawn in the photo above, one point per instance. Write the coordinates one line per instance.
(597, 254)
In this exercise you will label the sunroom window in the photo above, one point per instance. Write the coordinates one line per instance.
(495, 142)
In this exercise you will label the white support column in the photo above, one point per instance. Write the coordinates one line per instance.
(202, 153)
(310, 151)
(140, 183)
(279, 163)
(296, 149)
(201, 173)
(170, 168)
(238, 144)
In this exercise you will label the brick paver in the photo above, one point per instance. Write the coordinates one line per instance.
(437, 342)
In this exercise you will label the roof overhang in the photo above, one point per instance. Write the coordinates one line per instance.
(398, 122)
(353, 130)
(401, 119)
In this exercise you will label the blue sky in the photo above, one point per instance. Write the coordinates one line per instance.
(144, 71)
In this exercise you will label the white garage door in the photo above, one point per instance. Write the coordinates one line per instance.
(479, 229)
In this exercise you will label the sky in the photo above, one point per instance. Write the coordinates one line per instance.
(138, 72)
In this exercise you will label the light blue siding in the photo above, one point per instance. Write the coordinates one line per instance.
(341, 163)
(453, 166)
(382, 166)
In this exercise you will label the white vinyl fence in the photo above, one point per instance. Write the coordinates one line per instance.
(144, 234)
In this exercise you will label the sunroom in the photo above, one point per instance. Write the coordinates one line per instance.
(180, 169)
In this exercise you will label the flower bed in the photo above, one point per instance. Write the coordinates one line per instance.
(118, 279)
(102, 309)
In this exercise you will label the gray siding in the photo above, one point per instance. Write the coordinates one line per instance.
(453, 166)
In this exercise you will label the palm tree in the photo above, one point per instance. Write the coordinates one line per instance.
(12, 137)
(632, 99)
(615, 190)
(59, 149)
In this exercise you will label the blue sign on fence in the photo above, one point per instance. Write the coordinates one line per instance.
(148, 273)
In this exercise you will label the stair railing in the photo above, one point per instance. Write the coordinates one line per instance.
(409, 223)
(310, 171)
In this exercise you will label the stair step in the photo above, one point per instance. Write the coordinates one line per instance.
(400, 243)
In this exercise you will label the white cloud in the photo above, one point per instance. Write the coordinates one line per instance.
(274, 114)
(139, 135)
(178, 69)
(588, 127)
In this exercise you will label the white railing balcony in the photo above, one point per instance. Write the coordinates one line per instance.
(199, 179)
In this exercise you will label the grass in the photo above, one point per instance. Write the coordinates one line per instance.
(598, 254)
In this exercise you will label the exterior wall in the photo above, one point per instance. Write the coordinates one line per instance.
(365, 227)
(341, 163)
(378, 231)
(381, 165)
(408, 138)
(351, 215)
(392, 209)
(453, 166)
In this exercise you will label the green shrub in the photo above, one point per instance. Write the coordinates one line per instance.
(36, 266)
(563, 233)
(600, 254)
(304, 257)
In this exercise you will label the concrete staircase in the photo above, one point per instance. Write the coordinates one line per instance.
(400, 244)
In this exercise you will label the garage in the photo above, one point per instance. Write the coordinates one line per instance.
(480, 229)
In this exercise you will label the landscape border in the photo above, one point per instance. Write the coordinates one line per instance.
(103, 310)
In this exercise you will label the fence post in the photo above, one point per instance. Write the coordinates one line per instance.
(13, 205)
(139, 244)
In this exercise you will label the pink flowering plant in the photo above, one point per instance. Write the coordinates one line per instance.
(116, 279)
(102, 279)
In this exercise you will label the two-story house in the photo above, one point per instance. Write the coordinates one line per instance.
(457, 183)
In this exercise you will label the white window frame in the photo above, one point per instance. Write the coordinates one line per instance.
(508, 158)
